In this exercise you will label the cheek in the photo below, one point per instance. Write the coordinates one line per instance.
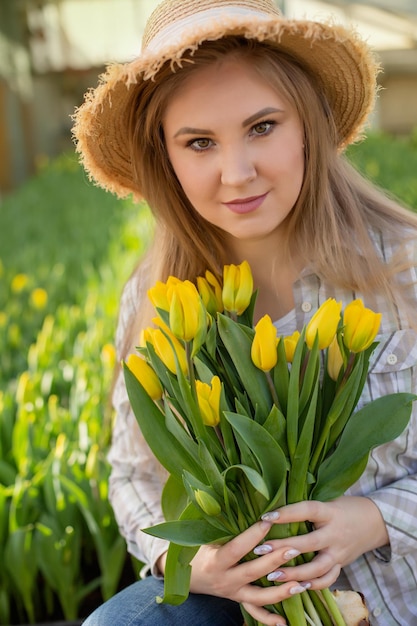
(195, 178)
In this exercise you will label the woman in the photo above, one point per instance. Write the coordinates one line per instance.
(232, 125)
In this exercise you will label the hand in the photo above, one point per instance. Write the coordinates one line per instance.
(344, 529)
(217, 571)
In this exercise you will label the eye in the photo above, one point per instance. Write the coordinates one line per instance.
(200, 145)
(262, 128)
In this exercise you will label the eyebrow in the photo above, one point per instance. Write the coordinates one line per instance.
(189, 130)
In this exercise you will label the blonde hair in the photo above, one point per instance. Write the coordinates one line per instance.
(335, 217)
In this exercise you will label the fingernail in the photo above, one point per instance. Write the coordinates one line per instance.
(270, 517)
(278, 575)
(299, 588)
(265, 548)
(291, 554)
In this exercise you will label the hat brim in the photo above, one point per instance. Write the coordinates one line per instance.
(343, 64)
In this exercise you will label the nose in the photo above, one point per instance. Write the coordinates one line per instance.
(237, 167)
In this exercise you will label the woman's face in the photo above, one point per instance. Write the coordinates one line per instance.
(236, 147)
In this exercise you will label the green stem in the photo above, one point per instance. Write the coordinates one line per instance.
(334, 610)
(272, 389)
(329, 423)
(190, 368)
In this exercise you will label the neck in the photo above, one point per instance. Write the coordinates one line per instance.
(274, 272)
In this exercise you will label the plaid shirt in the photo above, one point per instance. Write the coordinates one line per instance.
(387, 577)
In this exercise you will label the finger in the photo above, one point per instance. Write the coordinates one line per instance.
(238, 547)
(263, 596)
(307, 510)
(323, 566)
(262, 615)
(249, 571)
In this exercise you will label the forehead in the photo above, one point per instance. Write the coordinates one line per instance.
(228, 85)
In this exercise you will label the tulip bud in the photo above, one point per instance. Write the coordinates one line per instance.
(145, 375)
(165, 348)
(208, 397)
(237, 287)
(264, 346)
(290, 344)
(187, 315)
(361, 326)
(324, 323)
(159, 293)
(207, 503)
(211, 293)
(334, 360)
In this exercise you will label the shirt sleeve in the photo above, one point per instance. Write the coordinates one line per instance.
(136, 478)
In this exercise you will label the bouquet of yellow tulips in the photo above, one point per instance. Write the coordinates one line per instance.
(245, 421)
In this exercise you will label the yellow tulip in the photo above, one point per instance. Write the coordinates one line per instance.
(159, 294)
(208, 397)
(165, 348)
(187, 315)
(361, 326)
(290, 344)
(334, 359)
(264, 346)
(211, 293)
(207, 503)
(145, 375)
(237, 287)
(324, 323)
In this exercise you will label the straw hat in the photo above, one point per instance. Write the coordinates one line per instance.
(342, 63)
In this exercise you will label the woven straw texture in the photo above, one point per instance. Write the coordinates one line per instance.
(342, 63)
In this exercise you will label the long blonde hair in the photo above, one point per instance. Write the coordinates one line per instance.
(337, 212)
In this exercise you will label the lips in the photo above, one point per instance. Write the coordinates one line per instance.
(245, 205)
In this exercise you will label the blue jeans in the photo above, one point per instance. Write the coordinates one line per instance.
(136, 606)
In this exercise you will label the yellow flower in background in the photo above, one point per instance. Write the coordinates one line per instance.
(145, 375)
(334, 360)
(165, 348)
(211, 293)
(290, 344)
(108, 354)
(264, 346)
(324, 323)
(3, 319)
(19, 283)
(208, 397)
(159, 294)
(187, 315)
(237, 287)
(361, 326)
(207, 503)
(39, 298)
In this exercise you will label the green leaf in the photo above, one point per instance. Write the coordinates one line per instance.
(294, 396)
(270, 457)
(177, 574)
(174, 498)
(151, 421)
(188, 532)
(253, 477)
(376, 423)
(281, 376)
(297, 483)
(276, 425)
(238, 345)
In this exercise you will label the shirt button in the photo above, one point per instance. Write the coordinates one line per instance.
(306, 307)
(376, 612)
(391, 359)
